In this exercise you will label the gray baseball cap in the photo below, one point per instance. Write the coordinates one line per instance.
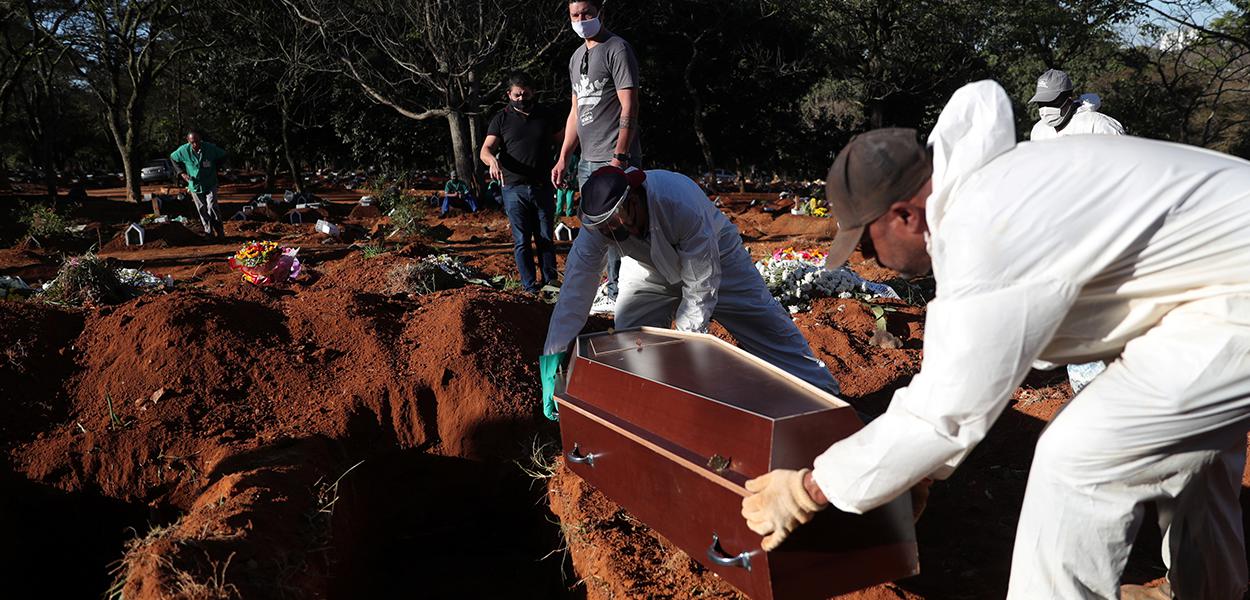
(874, 170)
(1050, 85)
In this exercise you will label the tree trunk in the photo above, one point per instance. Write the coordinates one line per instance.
(461, 146)
(125, 142)
(49, 169)
(270, 168)
(286, 149)
(696, 104)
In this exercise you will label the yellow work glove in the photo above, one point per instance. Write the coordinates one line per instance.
(777, 505)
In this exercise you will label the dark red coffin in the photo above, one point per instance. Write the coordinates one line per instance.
(671, 425)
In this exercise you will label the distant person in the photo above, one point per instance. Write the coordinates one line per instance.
(196, 162)
(603, 118)
(1054, 99)
(519, 147)
(1062, 114)
(457, 189)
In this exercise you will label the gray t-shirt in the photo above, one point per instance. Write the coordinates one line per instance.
(612, 66)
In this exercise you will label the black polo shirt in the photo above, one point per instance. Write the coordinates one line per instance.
(527, 145)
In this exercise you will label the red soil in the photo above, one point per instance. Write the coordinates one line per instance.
(236, 410)
(164, 235)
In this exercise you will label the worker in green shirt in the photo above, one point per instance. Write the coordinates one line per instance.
(457, 188)
(196, 163)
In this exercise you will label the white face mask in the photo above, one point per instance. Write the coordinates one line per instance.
(587, 29)
(1052, 116)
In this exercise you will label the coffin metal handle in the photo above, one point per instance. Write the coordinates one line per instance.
(717, 555)
(575, 456)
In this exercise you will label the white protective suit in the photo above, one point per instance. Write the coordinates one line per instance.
(1087, 120)
(1077, 249)
(692, 268)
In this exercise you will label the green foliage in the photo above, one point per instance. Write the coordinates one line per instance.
(43, 222)
(374, 250)
(406, 209)
(390, 190)
(764, 86)
(408, 215)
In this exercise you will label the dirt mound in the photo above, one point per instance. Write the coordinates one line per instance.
(162, 235)
(839, 331)
(365, 212)
(232, 416)
(265, 230)
(619, 557)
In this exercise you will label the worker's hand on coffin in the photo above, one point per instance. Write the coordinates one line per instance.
(548, 368)
(778, 504)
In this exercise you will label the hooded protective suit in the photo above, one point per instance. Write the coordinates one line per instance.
(692, 268)
(1077, 249)
(1087, 120)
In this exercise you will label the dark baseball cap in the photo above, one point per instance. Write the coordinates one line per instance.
(605, 191)
(874, 170)
(1050, 85)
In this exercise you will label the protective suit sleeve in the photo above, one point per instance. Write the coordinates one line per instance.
(1105, 125)
(699, 254)
(978, 348)
(586, 260)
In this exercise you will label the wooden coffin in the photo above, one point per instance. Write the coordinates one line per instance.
(671, 425)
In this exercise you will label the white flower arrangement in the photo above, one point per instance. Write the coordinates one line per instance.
(795, 279)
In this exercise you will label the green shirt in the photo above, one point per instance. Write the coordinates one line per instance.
(200, 166)
(456, 186)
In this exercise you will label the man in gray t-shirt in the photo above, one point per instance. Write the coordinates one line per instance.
(610, 66)
(603, 117)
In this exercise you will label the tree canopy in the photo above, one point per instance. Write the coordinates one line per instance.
(769, 87)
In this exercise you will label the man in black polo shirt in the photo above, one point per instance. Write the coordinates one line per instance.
(520, 148)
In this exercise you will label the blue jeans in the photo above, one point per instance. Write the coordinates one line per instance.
(531, 210)
(584, 170)
(468, 199)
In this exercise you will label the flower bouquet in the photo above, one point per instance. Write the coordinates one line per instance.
(266, 263)
(796, 278)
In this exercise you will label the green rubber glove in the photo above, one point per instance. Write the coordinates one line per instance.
(548, 365)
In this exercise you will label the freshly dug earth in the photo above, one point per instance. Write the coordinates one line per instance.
(226, 422)
(331, 440)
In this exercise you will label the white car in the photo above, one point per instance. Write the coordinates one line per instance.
(161, 169)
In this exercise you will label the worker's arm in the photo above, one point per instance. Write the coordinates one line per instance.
(488, 156)
(980, 339)
(586, 260)
(626, 77)
(629, 123)
(1107, 126)
(569, 145)
(180, 169)
(699, 254)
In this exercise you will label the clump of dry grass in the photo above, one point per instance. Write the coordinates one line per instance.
(87, 281)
